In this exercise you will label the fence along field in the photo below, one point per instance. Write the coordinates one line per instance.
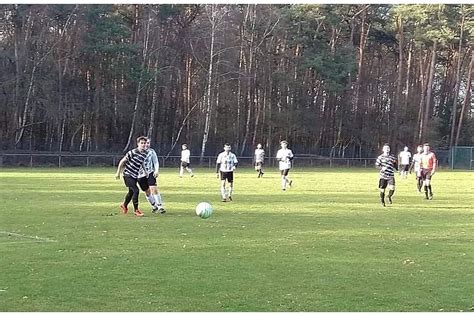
(324, 245)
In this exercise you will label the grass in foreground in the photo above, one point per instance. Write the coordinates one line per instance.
(324, 245)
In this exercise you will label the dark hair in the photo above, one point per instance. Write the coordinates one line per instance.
(386, 144)
(426, 144)
(185, 145)
(140, 138)
(284, 141)
(227, 144)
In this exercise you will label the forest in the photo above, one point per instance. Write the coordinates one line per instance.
(334, 80)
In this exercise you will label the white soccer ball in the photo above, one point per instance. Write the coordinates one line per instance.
(204, 210)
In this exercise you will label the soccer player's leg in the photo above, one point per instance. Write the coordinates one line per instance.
(283, 180)
(382, 185)
(136, 192)
(428, 185)
(391, 189)
(223, 193)
(144, 186)
(181, 170)
(156, 194)
(426, 182)
(128, 197)
(230, 179)
(189, 170)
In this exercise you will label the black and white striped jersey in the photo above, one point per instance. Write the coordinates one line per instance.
(388, 165)
(135, 161)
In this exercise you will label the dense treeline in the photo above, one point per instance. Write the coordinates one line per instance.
(331, 79)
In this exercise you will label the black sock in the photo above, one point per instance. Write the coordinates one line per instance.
(429, 188)
(390, 193)
(419, 185)
(426, 190)
(382, 197)
(128, 198)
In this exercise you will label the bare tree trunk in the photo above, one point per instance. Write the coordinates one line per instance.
(153, 101)
(429, 90)
(467, 97)
(458, 82)
(213, 21)
(407, 82)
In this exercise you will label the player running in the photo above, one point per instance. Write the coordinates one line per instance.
(131, 164)
(225, 166)
(185, 161)
(285, 157)
(147, 180)
(428, 169)
(388, 165)
(259, 160)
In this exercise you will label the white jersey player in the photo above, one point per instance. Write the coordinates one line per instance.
(185, 161)
(259, 160)
(416, 166)
(405, 158)
(225, 166)
(284, 157)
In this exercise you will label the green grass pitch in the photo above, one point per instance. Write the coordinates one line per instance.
(324, 245)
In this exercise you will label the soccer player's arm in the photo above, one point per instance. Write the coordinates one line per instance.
(156, 163)
(435, 164)
(395, 164)
(378, 163)
(290, 156)
(120, 166)
(218, 165)
(236, 162)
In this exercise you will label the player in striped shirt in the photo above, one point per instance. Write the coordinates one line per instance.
(225, 166)
(429, 163)
(416, 166)
(131, 164)
(259, 160)
(387, 164)
(284, 157)
(147, 179)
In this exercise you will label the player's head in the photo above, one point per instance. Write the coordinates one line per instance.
(419, 149)
(386, 149)
(426, 148)
(148, 143)
(405, 148)
(226, 147)
(141, 142)
(184, 146)
(259, 146)
(284, 144)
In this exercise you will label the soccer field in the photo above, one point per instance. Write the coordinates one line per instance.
(326, 244)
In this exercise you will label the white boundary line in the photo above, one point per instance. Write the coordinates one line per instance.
(35, 238)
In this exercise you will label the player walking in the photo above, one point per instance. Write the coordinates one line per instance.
(259, 160)
(404, 158)
(131, 164)
(416, 166)
(225, 166)
(387, 164)
(429, 164)
(185, 161)
(285, 157)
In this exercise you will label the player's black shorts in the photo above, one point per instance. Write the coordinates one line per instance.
(229, 176)
(130, 182)
(143, 182)
(284, 172)
(384, 182)
(184, 164)
(425, 174)
(258, 165)
(405, 167)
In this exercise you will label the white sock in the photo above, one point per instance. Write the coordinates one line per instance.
(283, 182)
(223, 193)
(231, 189)
(190, 171)
(151, 199)
(158, 198)
(181, 171)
